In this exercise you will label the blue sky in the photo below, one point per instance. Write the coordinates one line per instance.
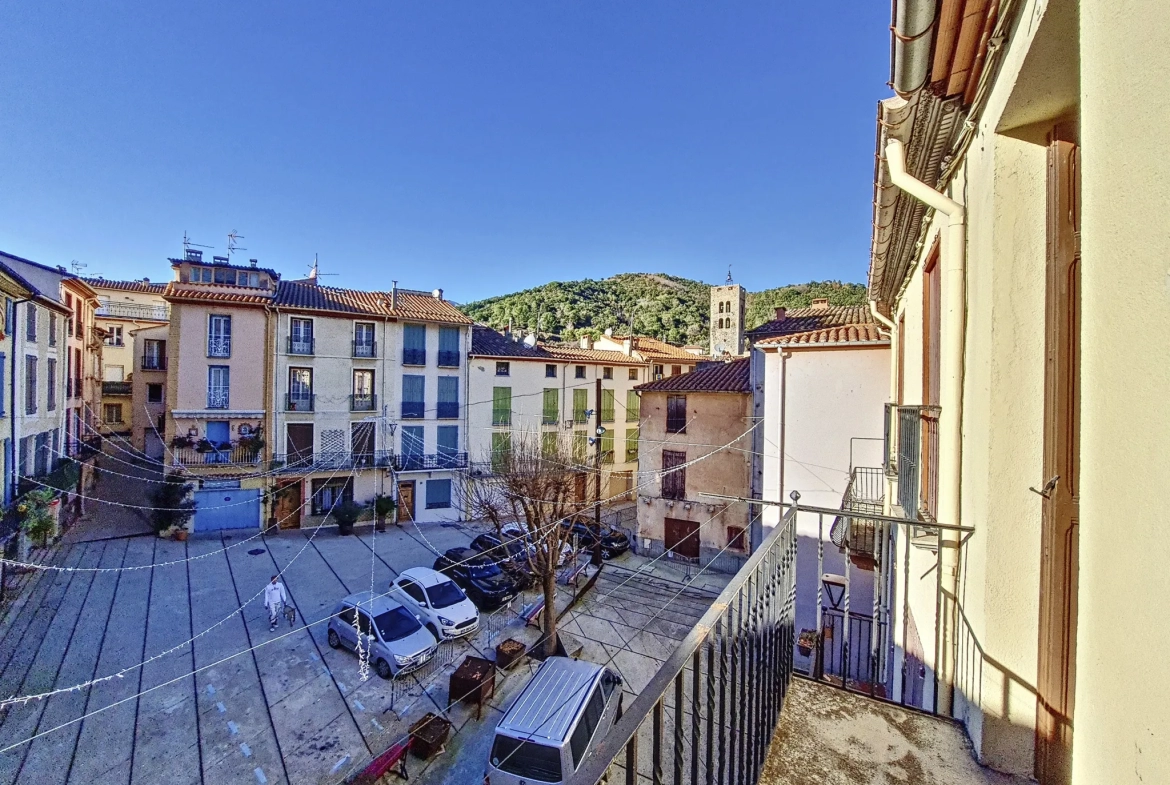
(480, 147)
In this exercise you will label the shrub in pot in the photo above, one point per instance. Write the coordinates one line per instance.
(384, 506)
(346, 514)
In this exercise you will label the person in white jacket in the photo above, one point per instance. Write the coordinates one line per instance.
(274, 600)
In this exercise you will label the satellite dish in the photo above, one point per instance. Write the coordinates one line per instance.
(530, 340)
(720, 349)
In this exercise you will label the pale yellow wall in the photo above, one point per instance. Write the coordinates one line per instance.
(1122, 724)
(144, 415)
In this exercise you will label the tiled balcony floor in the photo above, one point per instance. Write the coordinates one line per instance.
(829, 737)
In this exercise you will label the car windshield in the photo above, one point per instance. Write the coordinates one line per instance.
(396, 624)
(527, 759)
(484, 569)
(444, 595)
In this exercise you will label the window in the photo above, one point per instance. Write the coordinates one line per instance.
(932, 332)
(503, 369)
(448, 407)
(550, 412)
(633, 374)
(330, 493)
(447, 445)
(300, 390)
(632, 435)
(3, 397)
(112, 412)
(501, 406)
(674, 479)
(657, 372)
(412, 446)
(53, 331)
(219, 336)
(154, 355)
(607, 372)
(580, 446)
(414, 344)
(501, 449)
(363, 340)
(30, 384)
(448, 347)
(51, 384)
(548, 444)
(579, 371)
(586, 726)
(222, 275)
(218, 385)
(361, 442)
(527, 759)
(363, 399)
(607, 406)
(720, 308)
(300, 338)
(550, 372)
(606, 446)
(633, 405)
(41, 458)
(114, 373)
(30, 321)
(438, 494)
(113, 334)
(580, 405)
(675, 370)
(154, 393)
(413, 590)
(736, 539)
(413, 400)
(676, 414)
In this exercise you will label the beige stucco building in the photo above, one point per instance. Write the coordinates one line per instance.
(1018, 257)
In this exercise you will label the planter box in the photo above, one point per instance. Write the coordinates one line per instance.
(508, 653)
(474, 681)
(428, 735)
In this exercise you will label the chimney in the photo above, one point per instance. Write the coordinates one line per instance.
(780, 314)
(820, 303)
(146, 280)
(608, 332)
(628, 346)
(437, 294)
(223, 259)
(254, 262)
(394, 296)
(194, 255)
(586, 342)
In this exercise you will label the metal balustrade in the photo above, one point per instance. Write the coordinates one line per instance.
(299, 402)
(207, 454)
(414, 356)
(219, 347)
(363, 403)
(448, 359)
(365, 348)
(302, 346)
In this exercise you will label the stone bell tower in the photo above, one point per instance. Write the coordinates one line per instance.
(728, 309)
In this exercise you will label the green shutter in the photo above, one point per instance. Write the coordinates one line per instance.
(501, 448)
(551, 406)
(501, 406)
(548, 444)
(632, 435)
(607, 405)
(580, 446)
(607, 447)
(580, 404)
(633, 404)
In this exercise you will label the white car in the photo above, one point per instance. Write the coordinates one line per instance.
(443, 607)
(516, 531)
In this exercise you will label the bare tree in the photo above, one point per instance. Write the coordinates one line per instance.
(534, 482)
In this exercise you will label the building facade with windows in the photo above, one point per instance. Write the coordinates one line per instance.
(84, 343)
(685, 418)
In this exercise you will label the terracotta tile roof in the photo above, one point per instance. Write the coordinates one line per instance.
(716, 377)
(310, 296)
(654, 349)
(486, 342)
(214, 262)
(426, 307)
(145, 287)
(849, 333)
(803, 320)
(179, 292)
(576, 353)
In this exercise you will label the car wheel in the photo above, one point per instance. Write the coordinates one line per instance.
(334, 640)
(606, 554)
(383, 669)
(434, 631)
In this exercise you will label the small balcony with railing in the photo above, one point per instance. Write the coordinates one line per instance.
(218, 398)
(414, 356)
(447, 410)
(300, 345)
(413, 410)
(299, 401)
(448, 358)
(156, 362)
(115, 389)
(135, 311)
(197, 453)
(219, 347)
(363, 403)
(328, 461)
(365, 349)
(865, 493)
(420, 462)
(912, 460)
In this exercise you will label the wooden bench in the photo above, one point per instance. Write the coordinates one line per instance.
(392, 760)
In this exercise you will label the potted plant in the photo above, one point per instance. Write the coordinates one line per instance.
(204, 446)
(253, 443)
(173, 505)
(384, 505)
(346, 515)
(806, 642)
(37, 514)
(181, 442)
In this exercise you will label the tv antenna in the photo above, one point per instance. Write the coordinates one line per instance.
(78, 266)
(188, 244)
(315, 270)
(232, 237)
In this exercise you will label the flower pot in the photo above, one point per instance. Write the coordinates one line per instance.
(428, 735)
(345, 528)
(508, 653)
(181, 535)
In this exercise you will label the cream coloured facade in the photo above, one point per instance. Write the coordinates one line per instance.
(1020, 303)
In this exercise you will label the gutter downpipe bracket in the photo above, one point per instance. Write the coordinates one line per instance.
(954, 253)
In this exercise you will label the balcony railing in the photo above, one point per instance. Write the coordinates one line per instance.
(154, 313)
(448, 359)
(154, 363)
(447, 410)
(83, 448)
(219, 347)
(307, 462)
(414, 356)
(217, 399)
(413, 410)
(865, 493)
(912, 442)
(207, 454)
(117, 388)
(300, 345)
(299, 402)
(365, 348)
(709, 712)
(443, 460)
(363, 403)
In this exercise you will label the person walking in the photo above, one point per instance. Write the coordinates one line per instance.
(275, 598)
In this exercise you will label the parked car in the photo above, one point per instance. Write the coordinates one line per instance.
(555, 722)
(613, 542)
(395, 637)
(478, 575)
(510, 555)
(517, 532)
(444, 608)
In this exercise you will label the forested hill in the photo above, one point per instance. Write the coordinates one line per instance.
(663, 306)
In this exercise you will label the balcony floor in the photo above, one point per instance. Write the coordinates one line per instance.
(829, 737)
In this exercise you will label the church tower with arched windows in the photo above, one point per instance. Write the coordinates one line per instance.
(728, 309)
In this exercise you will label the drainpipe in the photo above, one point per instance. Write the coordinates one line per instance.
(954, 252)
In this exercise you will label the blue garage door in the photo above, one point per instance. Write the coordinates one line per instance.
(233, 508)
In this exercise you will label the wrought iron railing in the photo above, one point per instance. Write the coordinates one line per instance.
(299, 402)
(218, 455)
(430, 461)
(414, 356)
(448, 359)
(865, 493)
(219, 347)
(709, 712)
(912, 440)
(117, 388)
(300, 345)
(217, 398)
(365, 348)
(154, 313)
(157, 363)
(306, 462)
(447, 410)
(363, 403)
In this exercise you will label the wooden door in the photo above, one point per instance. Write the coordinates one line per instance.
(1059, 537)
(682, 537)
(299, 442)
(406, 501)
(288, 505)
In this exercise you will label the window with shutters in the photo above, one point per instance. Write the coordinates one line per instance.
(51, 384)
(548, 444)
(633, 404)
(632, 435)
(501, 450)
(448, 347)
(414, 344)
(580, 446)
(412, 447)
(448, 404)
(736, 538)
(676, 414)
(674, 474)
(607, 447)
(438, 494)
(30, 384)
(607, 406)
(580, 405)
(30, 314)
(447, 445)
(501, 406)
(413, 396)
(551, 410)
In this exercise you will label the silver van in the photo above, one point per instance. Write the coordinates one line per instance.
(567, 707)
